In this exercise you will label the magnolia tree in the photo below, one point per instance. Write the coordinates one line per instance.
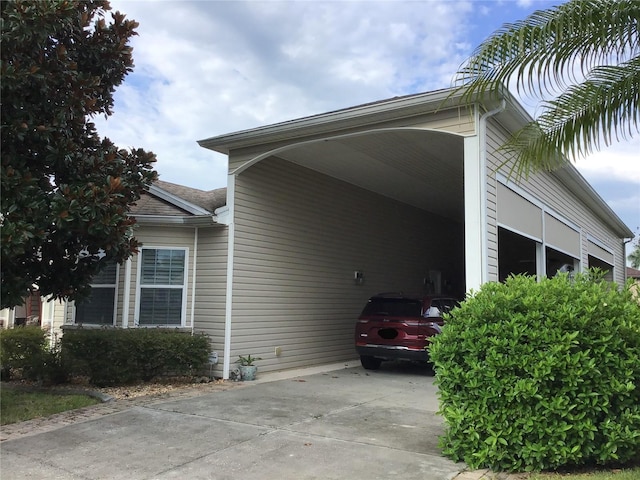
(66, 192)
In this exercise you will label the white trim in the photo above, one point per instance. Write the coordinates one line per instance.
(175, 220)
(544, 210)
(48, 314)
(500, 177)
(193, 279)
(231, 200)
(600, 243)
(353, 117)
(519, 232)
(177, 201)
(114, 313)
(222, 215)
(126, 301)
(541, 261)
(115, 295)
(473, 218)
(139, 287)
(560, 250)
(562, 219)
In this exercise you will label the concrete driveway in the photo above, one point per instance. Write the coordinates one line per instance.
(340, 424)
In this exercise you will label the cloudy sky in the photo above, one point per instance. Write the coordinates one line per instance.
(206, 68)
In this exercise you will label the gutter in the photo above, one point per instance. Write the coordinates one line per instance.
(177, 221)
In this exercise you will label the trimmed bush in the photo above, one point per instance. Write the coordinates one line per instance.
(24, 350)
(536, 376)
(120, 356)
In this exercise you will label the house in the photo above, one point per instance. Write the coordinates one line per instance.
(321, 212)
(634, 274)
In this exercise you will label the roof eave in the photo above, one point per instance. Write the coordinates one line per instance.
(177, 201)
(573, 179)
(177, 221)
(336, 120)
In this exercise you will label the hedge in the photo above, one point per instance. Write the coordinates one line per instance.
(112, 356)
(540, 375)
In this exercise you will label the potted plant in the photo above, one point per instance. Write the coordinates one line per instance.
(247, 368)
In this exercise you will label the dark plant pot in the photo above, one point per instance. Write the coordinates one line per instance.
(248, 372)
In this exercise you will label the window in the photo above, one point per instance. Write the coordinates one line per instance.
(445, 305)
(394, 307)
(99, 307)
(162, 286)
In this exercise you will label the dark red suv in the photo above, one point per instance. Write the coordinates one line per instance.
(394, 326)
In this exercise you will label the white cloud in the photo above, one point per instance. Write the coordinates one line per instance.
(205, 68)
(208, 68)
(619, 162)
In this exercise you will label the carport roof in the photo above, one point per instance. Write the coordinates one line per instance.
(359, 115)
(511, 118)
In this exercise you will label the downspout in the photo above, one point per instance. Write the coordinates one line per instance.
(193, 280)
(231, 191)
(484, 242)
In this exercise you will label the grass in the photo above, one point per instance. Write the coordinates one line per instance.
(617, 474)
(18, 406)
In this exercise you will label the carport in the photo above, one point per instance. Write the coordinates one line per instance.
(400, 195)
(329, 211)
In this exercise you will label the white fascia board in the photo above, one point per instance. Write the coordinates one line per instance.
(177, 201)
(177, 221)
(350, 117)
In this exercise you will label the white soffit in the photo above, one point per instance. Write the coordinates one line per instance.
(422, 168)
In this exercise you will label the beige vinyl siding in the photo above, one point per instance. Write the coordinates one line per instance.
(300, 236)
(455, 120)
(551, 193)
(211, 282)
(180, 237)
(59, 311)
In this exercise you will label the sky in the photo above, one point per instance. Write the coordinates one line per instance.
(207, 68)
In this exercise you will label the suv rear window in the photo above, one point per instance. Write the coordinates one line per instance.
(445, 305)
(393, 307)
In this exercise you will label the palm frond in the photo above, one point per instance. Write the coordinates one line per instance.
(588, 52)
(550, 46)
(604, 107)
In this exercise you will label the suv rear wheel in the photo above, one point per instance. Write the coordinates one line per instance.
(370, 363)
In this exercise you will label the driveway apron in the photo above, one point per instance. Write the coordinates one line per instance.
(341, 424)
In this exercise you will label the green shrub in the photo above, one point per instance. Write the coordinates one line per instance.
(25, 351)
(535, 376)
(120, 356)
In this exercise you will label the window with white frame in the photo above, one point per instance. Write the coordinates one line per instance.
(99, 307)
(162, 286)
